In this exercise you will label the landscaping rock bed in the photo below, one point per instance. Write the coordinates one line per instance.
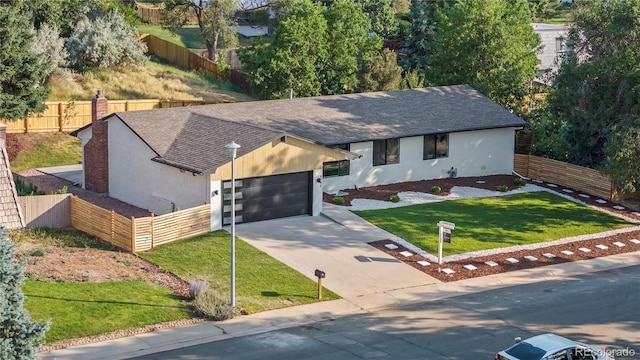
(460, 272)
(383, 193)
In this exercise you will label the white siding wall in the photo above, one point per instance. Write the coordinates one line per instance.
(316, 197)
(135, 179)
(216, 204)
(473, 153)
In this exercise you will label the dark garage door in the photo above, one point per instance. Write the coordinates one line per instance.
(268, 197)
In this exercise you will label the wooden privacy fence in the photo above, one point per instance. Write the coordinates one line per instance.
(72, 115)
(561, 173)
(185, 58)
(152, 231)
(45, 210)
(138, 234)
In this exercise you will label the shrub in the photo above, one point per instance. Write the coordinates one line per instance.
(520, 182)
(436, 189)
(338, 200)
(210, 305)
(106, 41)
(503, 188)
(394, 198)
(49, 47)
(26, 189)
(197, 287)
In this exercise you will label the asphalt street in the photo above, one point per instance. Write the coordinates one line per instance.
(601, 309)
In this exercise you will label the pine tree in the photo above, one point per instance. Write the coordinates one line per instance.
(20, 338)
(21, 73)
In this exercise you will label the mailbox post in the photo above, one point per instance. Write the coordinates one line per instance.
(444, 235)
(320, 275)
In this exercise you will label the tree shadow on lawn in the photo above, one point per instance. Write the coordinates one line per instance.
(114, 302)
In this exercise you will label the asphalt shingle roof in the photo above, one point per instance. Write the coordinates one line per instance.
(10, 214)
(192, 141)
(193, 138)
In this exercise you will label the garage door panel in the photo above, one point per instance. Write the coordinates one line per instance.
(269, 197)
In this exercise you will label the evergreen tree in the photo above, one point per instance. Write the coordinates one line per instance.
(20, 338)
(22, 74)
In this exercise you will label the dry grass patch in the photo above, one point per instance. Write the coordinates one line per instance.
(155, 81)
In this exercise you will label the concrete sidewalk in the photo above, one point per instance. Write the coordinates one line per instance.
(174, 338)
(71, 173)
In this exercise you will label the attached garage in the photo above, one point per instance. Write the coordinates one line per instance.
(268, 197)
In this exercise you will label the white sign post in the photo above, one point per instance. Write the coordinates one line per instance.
(444, 229)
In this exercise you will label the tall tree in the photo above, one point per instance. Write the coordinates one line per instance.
(215, 19)
(22, 74)
(382, 16)
(295, 58)
(381, 73)
(419, 42)
(488, 44)
(593, 110)
(20, 338)
(316, 50)
(349, 44)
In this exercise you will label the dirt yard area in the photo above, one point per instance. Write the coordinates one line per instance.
(72, 264)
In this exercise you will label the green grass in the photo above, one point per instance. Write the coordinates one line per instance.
(262, 282)
(84, 309)
(490, 223)
(49, 149)
(187, 36)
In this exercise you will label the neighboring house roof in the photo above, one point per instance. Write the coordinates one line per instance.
(192, 137)
(10, 213)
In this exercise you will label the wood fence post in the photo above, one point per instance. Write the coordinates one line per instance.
(133, 234)
(60, 117)
(179, 224)
(151, 225)
(113, 226)
(26, 124)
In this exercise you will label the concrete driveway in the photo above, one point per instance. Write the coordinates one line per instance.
(353, 268)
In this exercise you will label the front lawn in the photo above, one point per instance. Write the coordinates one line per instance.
(488, 223)
(262, 282)
(84, 309)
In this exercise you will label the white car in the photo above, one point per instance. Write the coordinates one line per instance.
(551, 347)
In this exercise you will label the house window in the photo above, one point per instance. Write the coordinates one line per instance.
(435, 146)
(336, 168)
(386, 152)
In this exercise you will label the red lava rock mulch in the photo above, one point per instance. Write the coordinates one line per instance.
(460, 273)
(383, 193)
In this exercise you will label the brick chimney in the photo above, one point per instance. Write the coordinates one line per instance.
(96, 151)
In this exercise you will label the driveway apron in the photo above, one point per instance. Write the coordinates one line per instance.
(353, 268)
